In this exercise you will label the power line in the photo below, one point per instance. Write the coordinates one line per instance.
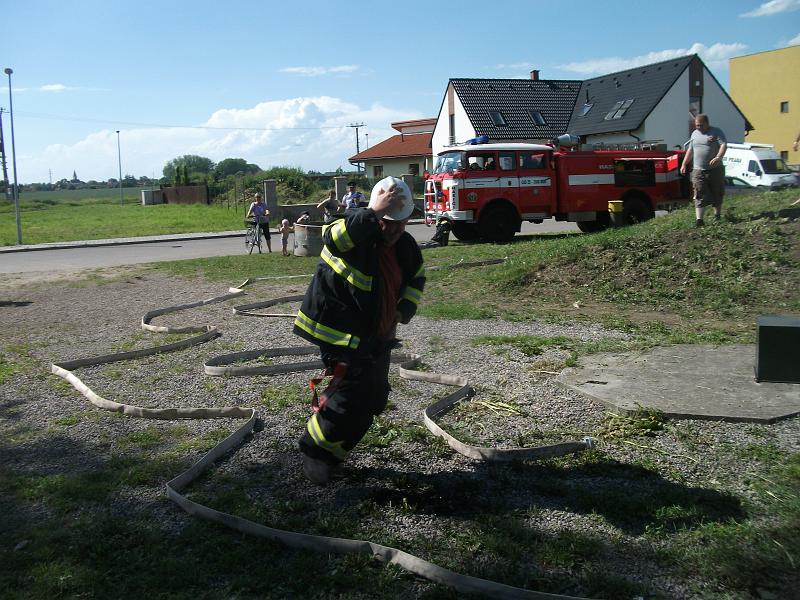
(138, 124)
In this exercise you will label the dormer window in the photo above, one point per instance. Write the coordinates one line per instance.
(586, 108)
(497, 118)
(537, 117)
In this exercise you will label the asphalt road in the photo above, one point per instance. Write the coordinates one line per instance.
(89, 257)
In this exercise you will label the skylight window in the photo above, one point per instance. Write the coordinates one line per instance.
(586, 108)
(619, 109)
(537, 117)
(497, 118)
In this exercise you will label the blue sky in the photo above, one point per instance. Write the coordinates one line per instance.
(278, 83)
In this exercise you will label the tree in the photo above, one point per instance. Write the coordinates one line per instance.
(191, 163)
(232, 166)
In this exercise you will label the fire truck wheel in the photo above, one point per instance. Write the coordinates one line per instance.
(600, 224)
(464, 232)
(498, 223)
(637, 211)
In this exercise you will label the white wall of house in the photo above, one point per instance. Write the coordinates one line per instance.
(669, 120)
(395, 166)
(721, 111)
(463, 127)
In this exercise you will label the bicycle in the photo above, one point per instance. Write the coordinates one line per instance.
(252, 236)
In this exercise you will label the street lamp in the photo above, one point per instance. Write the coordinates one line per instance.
(14, 155)
(119, 159)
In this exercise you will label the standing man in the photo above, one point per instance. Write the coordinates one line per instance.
(369, 278)
(707, 146)
(329, 206)
(352, 198)
(259, 212)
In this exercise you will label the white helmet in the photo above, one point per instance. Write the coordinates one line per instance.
(404, 210)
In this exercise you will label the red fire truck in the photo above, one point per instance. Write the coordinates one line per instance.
(487, 190)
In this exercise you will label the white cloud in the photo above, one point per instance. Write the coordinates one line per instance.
(795, 41)
(773, 7)
(56, 88)
(309, 132)
(317, 71)
(715, 56)
(515, 66)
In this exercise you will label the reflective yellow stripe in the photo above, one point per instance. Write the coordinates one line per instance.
(339, 235)
(315, 431)
(351, 274)
(329, 335)
(412, 294)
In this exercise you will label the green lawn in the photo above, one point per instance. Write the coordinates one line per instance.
(93, 219)
(664, 282)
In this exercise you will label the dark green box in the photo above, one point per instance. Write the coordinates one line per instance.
(778, 349)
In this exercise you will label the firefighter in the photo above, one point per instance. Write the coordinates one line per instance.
(369, 278)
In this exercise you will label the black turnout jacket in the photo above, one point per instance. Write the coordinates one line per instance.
(341, 308)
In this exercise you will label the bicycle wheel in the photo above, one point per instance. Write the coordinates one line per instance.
(249, 239)
(258, 237)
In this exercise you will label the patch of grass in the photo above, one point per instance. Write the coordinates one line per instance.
(7, 369)
(381, 434)
(638, 423)
(279, 397)
(203, 442)
(67, 421)
(147, 438)
(766, 453)
(748, 554)
(238, 268)
(529, 345)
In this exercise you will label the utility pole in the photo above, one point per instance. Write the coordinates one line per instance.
(6, 187)
(358, 149)
(119, 158)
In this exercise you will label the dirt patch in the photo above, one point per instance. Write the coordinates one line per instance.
(35, 279)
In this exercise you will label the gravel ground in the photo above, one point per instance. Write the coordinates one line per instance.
(425, 490)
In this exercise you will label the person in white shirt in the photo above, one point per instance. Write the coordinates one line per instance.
(352, 198)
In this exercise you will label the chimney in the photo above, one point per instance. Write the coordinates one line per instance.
(535, 75)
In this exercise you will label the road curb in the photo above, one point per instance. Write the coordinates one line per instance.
(178, 237)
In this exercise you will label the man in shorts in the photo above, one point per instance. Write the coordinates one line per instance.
(707, 146)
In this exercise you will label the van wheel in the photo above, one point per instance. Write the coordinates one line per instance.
(636, 211)
(498, 223)
(464, 232)
(601, 223)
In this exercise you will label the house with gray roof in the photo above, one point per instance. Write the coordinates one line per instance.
(653, 104)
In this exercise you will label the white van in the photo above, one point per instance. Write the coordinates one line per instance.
(757, 164)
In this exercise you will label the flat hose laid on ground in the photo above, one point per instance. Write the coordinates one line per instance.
(225, 365)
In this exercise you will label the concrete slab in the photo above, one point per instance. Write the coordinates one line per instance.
(688, 381)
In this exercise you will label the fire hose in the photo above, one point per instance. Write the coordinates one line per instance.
(227, 365)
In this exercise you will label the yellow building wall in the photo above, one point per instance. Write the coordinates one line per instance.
(758, 84)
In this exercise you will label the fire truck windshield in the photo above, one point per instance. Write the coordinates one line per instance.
(449, 162)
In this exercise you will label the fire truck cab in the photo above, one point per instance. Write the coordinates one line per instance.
(487, 190)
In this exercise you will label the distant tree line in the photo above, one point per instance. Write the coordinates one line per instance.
(229, 178)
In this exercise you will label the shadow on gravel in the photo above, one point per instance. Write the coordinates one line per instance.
(630, 498)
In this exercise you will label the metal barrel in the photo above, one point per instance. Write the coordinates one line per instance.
(307, 239)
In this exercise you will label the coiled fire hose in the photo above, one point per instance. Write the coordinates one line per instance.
(227, 365)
